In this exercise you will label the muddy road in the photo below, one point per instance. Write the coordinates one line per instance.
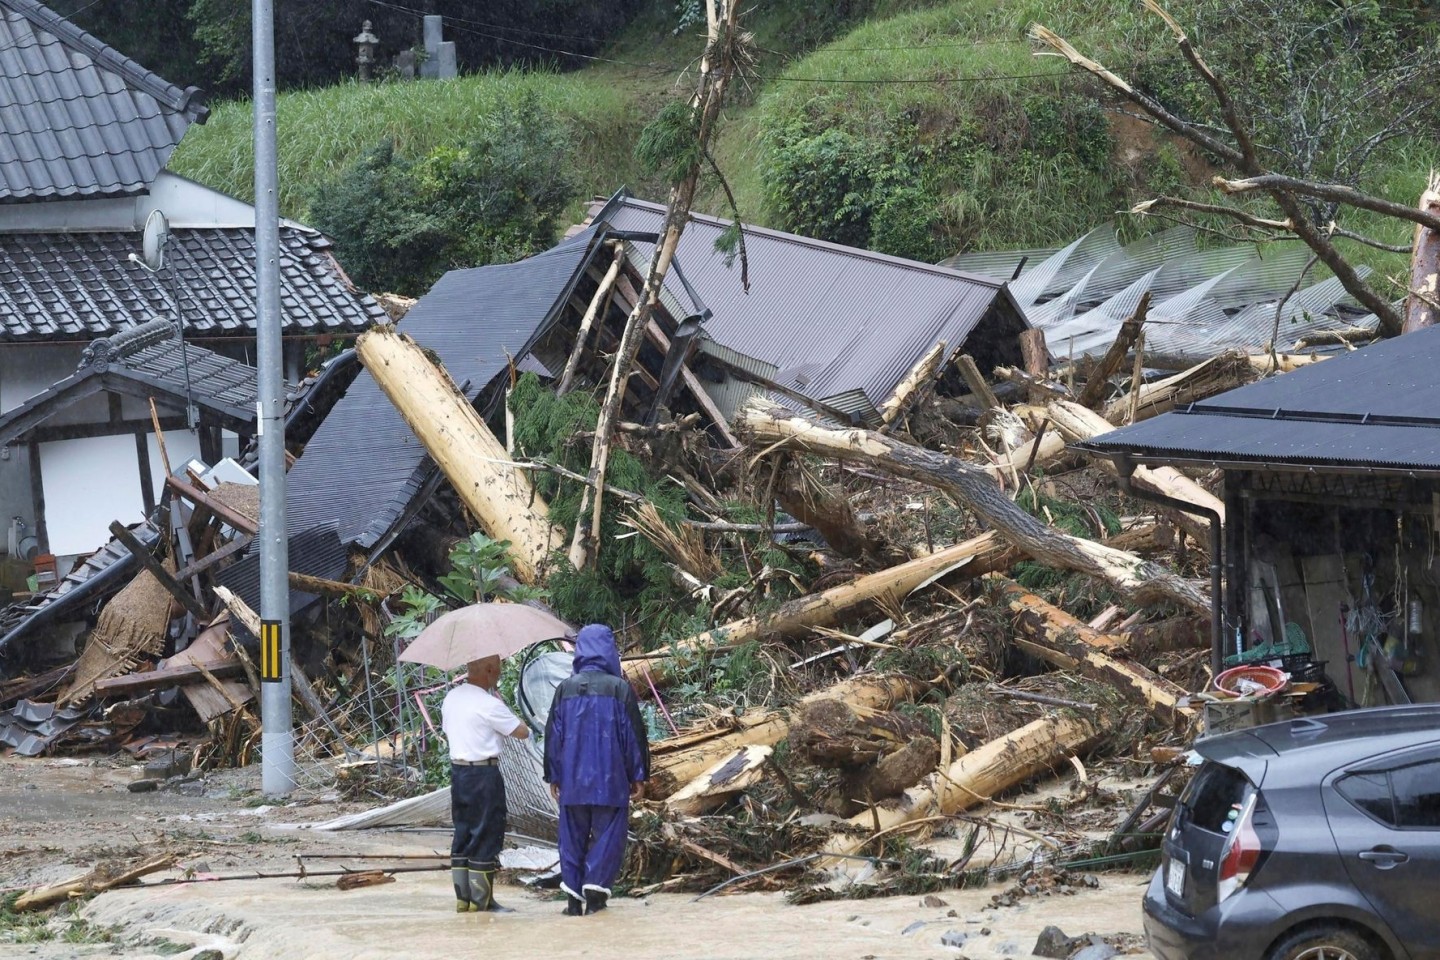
(59, 817)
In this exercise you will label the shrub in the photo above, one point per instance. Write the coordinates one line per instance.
(498, 196)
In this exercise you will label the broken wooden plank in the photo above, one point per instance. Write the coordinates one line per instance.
(976, 381)
(726, 778)
(233, 518)
(165, 678)
(214, 557)
(166, 580)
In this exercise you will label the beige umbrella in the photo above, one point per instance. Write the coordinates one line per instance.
(483, 630)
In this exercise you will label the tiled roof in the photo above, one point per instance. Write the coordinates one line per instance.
(80, 119)
(78, 286)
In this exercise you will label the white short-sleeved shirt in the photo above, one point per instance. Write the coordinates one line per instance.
(475, 722)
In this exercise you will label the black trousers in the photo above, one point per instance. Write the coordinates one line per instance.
(477, 806)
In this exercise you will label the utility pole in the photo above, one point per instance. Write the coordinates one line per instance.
(277, 742)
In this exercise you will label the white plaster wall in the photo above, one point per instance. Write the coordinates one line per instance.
(185, 203)
(88, 484)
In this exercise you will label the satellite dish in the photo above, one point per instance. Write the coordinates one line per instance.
(157, 235)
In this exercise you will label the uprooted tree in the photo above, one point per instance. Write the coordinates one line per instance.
(1318, 91)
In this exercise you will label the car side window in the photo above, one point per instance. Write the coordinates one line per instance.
(1416, 789)
(1370, 792)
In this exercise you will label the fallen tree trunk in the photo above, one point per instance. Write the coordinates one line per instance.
(919, 376)
(1136, 579)
(974, 779)
(725, 779)
(474, 461)
(1422, 304)
(669, 771)
(1058, 638)
(986, 553)
(1094, 390)
(1078, 423)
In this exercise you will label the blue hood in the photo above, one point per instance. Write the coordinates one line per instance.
(595, 650)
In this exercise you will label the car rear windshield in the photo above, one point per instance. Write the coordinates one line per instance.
(1215, 791)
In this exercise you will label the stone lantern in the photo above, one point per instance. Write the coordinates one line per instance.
(366, 43)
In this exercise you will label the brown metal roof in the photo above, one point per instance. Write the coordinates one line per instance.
(837, 322)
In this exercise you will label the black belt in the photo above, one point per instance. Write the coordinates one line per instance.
(487, 762)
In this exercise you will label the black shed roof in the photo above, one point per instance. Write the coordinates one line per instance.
(1376, 409)
(81, 119)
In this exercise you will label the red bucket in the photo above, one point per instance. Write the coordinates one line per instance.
(1237, 681)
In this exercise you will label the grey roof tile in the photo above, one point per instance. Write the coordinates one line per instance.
(77, 286)
(81, 119)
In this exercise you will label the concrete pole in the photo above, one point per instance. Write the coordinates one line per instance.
(277, 742)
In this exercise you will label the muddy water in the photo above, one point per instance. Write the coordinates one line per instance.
(410, 918)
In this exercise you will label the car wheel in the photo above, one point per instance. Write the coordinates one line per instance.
(1324, 943)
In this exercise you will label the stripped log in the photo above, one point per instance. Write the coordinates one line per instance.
(1045, 631)
(501, 497)
(986, 553)
(1422, 304)
(601, 298)
(1078, 423)
(742, 769)
(1136, 579)
(671, 770)
(973, 779)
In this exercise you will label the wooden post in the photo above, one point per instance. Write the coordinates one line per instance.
(158, 571)
(976, 381)
(483, 475)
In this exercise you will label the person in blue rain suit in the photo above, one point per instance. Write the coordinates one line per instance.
(597, 759)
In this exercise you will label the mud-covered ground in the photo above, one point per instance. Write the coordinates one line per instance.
(58, 818)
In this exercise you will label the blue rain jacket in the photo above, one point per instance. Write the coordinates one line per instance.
(595, 739)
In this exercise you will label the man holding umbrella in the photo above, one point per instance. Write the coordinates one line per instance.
(597, 759)
(476, 722)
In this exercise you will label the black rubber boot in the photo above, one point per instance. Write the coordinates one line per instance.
(574, 907)
(482, 890)
(595, 900)
(460, 877)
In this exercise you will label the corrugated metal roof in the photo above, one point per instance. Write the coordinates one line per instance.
(832, 319)
(77, 286)
(316, 552)
(363, 466)
(1376, 408)
(80, 119)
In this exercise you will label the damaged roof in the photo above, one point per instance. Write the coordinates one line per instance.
(1371, 410)
(842, 325)
(77, 286)
(364, 466)
(147, 361)
(81, 119)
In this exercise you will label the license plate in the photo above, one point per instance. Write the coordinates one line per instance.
(1175, 877)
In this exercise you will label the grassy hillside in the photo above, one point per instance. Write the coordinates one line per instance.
(323, 131)
(919, 127)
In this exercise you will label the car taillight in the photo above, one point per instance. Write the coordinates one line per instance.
(1240, 853)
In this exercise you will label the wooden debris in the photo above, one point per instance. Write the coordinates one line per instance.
(164, 678)
(722, 781)
(1094, 389)
(364, 878)
(974, 778)
(1133, 577)
(105, 876)
(919, 376)
(475, 462)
